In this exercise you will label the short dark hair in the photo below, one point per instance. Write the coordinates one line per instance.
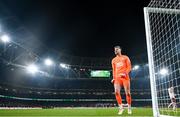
(117, 47)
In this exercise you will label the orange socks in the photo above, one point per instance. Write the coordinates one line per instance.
(128, 99)
(118, 98)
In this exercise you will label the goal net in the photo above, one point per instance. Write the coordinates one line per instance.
(162, 22)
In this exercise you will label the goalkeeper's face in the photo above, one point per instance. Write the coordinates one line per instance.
(117, 51)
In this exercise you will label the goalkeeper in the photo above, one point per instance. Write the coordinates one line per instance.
(121, 66)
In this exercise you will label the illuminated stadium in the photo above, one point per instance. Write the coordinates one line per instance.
(39, 79)
(71, 83)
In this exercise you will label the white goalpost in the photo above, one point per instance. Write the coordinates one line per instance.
(162, 23)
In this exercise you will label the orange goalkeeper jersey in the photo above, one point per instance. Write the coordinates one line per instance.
(121, 65)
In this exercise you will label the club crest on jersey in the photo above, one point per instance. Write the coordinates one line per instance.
(120, 64)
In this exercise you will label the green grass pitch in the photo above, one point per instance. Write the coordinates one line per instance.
(74, 112)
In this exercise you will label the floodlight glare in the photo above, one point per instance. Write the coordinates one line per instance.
(5, 38)
(48, 62)
(136, 67)
(32, 68)
(163, 71)
(64, 66)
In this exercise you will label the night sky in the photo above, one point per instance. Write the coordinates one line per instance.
(85, 28)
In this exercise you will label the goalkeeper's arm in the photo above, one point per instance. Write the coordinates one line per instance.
(113, 72)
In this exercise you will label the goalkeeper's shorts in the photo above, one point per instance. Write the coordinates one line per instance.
(122, 82)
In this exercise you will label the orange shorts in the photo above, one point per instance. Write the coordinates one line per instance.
(122, 82)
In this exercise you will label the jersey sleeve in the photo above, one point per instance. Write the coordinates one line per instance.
(113, 69)
(128, 65)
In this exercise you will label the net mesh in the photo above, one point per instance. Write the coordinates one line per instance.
(165, 40)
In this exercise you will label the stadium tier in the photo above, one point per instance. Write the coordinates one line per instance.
(70, 92)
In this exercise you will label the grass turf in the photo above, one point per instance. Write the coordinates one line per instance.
(75, 112)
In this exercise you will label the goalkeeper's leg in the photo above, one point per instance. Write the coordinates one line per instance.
(126, 84)
(117, 88)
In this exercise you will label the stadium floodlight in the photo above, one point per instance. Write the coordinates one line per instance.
(48, 62)
(163, 71)
(32, 68)
(136, 67)
(65, 66)
(5, 38)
